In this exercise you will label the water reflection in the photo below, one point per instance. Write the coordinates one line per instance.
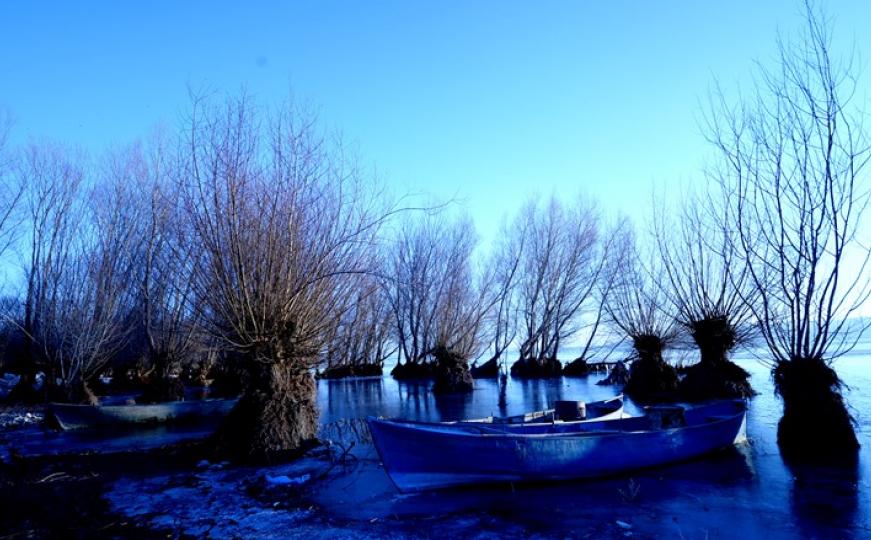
(826, 496)
(414, 400)
(539, 394)
(341, 397)
(453, 406)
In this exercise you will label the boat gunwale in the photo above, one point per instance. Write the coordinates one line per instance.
(478, 421)
(434, 428)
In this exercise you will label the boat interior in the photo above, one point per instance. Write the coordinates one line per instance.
(656, 418)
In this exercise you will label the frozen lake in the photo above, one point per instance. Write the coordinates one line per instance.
(748, 492)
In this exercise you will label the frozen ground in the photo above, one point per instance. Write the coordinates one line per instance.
(15, 417)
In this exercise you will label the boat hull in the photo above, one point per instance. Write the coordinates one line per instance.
(420, 459)
(70, 417)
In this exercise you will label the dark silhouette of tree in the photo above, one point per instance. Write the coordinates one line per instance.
(708, 289)
(792, 156)
(438, 301)
(80, 237)
(359, 340)
(637, 307)
(501, 324)
(163, 309)
(557, 279)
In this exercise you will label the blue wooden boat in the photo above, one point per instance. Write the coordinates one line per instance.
(69, 416)
(419, 456)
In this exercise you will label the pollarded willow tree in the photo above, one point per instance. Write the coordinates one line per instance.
(637, 307)
(439, 304)
(793, 157)
(164, 315)
(50, 177)
(708, 291)
(558, 275)
(80, 235)
(359, 340)
(502, 323)
(284, 224)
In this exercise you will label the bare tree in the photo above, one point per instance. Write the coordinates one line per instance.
(637, 307)
(359, 342)
(50, 177)
(10, 218)
(436, 302)
(502, 323)
(557, 279)
(163, 307)
(88, 325)
(612, 248)
(285, 224)
(792, 158)
(77, 272)
(10, 190)
(708, 292)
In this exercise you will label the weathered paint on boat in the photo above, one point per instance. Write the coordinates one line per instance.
(607, 409)
(70, 417)
(419, 457)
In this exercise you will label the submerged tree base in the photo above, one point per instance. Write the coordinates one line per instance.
(721, 380)
(23, 392)
(352, 370)
(487, 370)
(541, 368)
(162, 389)
(276, 417)
(410, 371)
(619, 376)
(815, 424)
(576, 368)
(651, 381)
(451, 373)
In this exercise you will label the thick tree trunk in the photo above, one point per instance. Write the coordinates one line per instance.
(75, 391)
(276, 416)
(537, 368)
(815, 422)
(451, 373)
(619, 376)
(413, 371)
(23, 392)
(576, 368)
(651, 379)
(487, 370)
(715, 337)
(715, 376)
(162, 388)
(164, 383)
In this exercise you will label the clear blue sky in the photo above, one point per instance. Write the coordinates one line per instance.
(489, 101)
